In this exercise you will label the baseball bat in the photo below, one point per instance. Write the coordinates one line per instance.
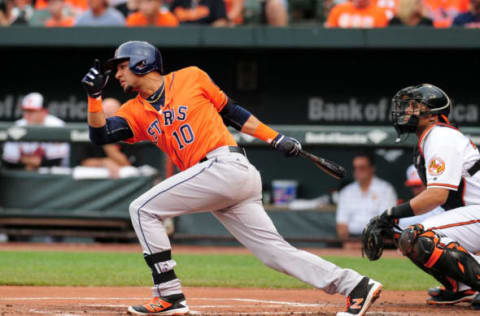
(329, 167)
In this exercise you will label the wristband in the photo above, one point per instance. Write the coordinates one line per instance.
(95, 105)
(401, 211)
(265, 133)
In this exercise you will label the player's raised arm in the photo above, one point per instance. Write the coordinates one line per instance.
(94, 82)
(102, 130)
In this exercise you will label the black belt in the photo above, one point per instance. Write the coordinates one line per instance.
(473, 169)
(232, 149)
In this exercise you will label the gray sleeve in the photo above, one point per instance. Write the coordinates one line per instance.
(118, 17)
(80, 21)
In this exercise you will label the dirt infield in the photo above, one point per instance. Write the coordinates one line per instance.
(71, 301)
(135, 248)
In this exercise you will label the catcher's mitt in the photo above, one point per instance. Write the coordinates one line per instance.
(373, 235)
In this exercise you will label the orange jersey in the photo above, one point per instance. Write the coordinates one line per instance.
(65, 22)
(390, 7)
(164, 18)
(442, 12)
(189, 125)
(346, 15)
(229, 6)
(81, 5)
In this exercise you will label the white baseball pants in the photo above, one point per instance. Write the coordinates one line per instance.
(461, 225)
(230, 187)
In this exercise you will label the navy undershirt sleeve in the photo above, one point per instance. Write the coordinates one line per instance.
(115, 130)
(234, 115)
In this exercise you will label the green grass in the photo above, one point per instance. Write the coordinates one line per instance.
(126, 269)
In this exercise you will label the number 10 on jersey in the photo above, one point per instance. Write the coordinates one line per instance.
(184, 136)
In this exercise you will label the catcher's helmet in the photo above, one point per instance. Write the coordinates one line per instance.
(407, 106)
(142, 57)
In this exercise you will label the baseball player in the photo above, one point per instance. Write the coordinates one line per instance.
(448, 163)
(184, 114)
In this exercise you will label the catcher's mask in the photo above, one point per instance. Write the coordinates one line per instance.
(411, 103)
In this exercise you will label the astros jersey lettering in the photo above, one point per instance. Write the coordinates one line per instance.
(188, 125)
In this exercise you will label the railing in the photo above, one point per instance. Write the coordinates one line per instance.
(376, 136)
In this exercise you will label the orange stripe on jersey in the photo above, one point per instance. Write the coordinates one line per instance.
(188, 125)
(443, 185)
(473, 221)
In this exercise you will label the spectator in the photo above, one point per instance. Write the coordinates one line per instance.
(128, 7)
(390, 7)
(442, 12)
(211, 12)
(111, 157)
(276, 12)
(151, 13)
(75, 7)
(33, 155)
(327, 6)
(357, 14)
(469, 19)
(100, 14)
(410, 13)
(57, 15)
(416, 185)
(5, 8)
(235, 11)
(21, 13)
(363, 199)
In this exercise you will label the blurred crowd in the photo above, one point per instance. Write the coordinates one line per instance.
(138, 13)
(172, 13)
(108, 161)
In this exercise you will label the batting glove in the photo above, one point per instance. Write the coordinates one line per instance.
(288, 145)
(95, 80)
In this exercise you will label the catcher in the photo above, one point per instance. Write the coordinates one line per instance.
(448, 163)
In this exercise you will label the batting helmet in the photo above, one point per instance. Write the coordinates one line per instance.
(142, 57)
(407, 106)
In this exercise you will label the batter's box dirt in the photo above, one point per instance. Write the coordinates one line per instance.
(80, 301)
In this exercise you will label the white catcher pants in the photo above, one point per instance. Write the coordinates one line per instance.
(461, 225)
(230, 187)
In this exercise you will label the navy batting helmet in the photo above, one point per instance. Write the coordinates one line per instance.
(142, 57)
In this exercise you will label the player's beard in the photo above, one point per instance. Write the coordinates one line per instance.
(128, 89)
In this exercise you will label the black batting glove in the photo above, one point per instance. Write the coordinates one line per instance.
(288, 145)
(95, 80)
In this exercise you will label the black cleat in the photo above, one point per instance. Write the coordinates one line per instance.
(441, 296)
(361, 297)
